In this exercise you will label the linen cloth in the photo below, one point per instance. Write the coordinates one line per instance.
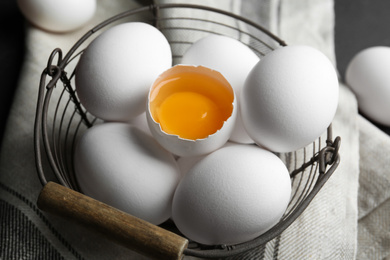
(374, 193)
(328, 229)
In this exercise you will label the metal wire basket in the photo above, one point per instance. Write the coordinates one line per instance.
(60, 119)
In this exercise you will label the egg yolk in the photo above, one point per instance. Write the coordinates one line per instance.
(189, 115)
(192, 104)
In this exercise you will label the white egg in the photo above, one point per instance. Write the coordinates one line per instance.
(122, 166)
(289, 98)
(116, 70)
(232, 195)
(368, 76)
(191, 110)
(233, 60)
(58, 15)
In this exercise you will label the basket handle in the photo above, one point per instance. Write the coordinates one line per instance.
(134, 233)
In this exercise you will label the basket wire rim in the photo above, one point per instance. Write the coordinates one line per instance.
(57, 73)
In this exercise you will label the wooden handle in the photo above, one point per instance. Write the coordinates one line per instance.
(134, 233)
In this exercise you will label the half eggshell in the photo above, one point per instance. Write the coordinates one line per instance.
(215, 87)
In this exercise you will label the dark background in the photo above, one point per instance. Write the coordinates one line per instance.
(359, 24)
(12, 45)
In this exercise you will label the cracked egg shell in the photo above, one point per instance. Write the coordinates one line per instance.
(191, 110)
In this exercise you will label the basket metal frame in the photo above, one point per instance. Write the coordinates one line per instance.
(323, 162)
